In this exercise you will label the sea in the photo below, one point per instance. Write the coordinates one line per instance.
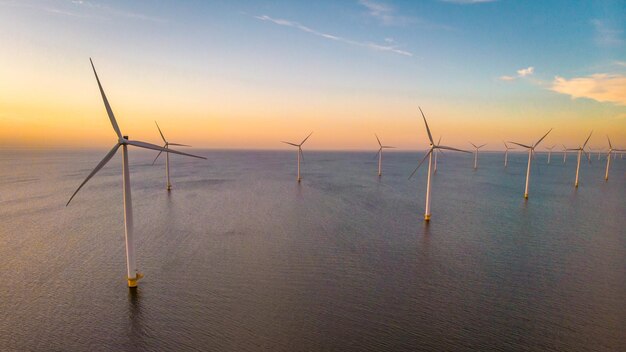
(238, 256)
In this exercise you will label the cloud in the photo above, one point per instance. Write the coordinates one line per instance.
(369, 45)
(384, 13)
(606, 35)
(521, 73)
(468, 2)
(601, 87)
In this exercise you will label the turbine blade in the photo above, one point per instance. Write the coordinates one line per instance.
(378, 140)
(179, 145)
(116, 128)
(588, 156)
(158, 155)
(430, 136)
(522, 145)
(482, 145)
(473, 145)
(587, 139)
(295, 145)
(156, 147)
(378, 152)
(455, 149)
(609, 139)
(98, 167)
(420, 164)
(162, 136)
(439, 141)
(307, 137)
(505, 145)
(301, 153)
(544, 136)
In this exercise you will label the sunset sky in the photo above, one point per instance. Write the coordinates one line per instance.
(247, 74)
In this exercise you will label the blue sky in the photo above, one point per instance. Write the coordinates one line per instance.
(500, 63)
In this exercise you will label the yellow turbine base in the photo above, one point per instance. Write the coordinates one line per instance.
(427, 217)
(525, 195)
(133, 282)
(576, 185)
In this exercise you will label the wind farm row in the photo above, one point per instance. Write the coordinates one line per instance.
(432, 153)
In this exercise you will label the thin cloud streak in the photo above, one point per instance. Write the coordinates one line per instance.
(606, 35)
(369, 45)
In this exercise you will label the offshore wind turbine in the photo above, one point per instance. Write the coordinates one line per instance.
(580, 150)
(429, 155)
(300, 154)
(564, 153)
(608, 157)
(506, 153)
(166, 146)
(380, 155)
(124, 142)
(550, 152)
(531, 150)
(476, 154)
(436, 153)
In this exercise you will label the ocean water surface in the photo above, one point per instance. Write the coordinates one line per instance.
(240, 257)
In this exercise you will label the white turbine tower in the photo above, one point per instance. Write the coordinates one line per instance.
(531, 150)
(506, 153)
(550, 152)
(429, 155)
(608, 157)
(581, 150)
(300, 154)
(380, 155)
(476, 148)
(166, 146)
(124, 142)
(564, 153)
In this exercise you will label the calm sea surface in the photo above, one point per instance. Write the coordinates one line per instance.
(239, 257)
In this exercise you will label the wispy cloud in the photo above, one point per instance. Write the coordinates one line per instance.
(601, 87)
(385, 13)
(606, 35)
(373, 46)
(82, 9)
(468, 2)
(521, 73)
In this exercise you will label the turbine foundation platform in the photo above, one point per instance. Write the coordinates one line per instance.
(133, 282)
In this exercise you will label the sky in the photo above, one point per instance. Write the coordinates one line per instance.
(249, 74)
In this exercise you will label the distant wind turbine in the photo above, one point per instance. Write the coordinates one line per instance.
(581, 150)
(380, 155)
(564, 153)
(167, 157)
(506, 153)
(124, 142)
(550, 152)
(476, 154)
(437, 151)
(531, 150)
(429, 155)
(300, 154)
(608, 157)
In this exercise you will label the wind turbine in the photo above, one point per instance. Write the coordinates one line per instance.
(124, 142)
(476, 154)
(429, 155)
(300, 155)
(550, 152)
(436, 154)
(531, 150)
(608, 157)
(167, 156)
(380, 155)
(564, 153)
(506, 153)
(581, 149)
